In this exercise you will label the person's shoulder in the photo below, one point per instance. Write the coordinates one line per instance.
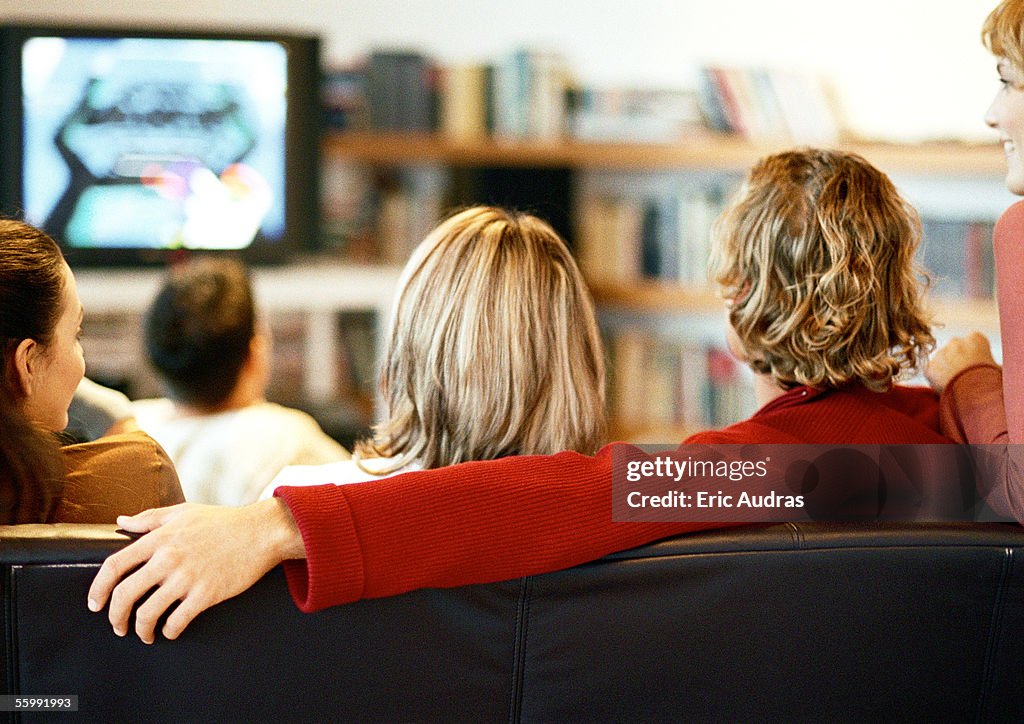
(153, 410)
(1010, 226)
(744, 432)
(281, 414)
(1015, 213)
(912, 397)
(125, 443)
(117, 474)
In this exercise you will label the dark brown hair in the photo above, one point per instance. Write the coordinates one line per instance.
(199, 328)
(31, 285)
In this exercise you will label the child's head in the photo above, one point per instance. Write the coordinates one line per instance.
(816, 255)
(199, 331)
(493, 348)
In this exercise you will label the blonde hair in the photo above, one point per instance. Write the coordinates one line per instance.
(817, 255)
(1003, 32)
(493, 350)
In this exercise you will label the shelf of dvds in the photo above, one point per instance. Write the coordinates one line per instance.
(661, 320)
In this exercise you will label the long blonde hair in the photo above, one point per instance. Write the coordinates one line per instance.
(493, 349)
(816, 255)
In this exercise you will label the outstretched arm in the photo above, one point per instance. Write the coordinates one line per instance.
(471, 523)
(476, 522)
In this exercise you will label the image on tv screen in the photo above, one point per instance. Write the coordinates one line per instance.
(157, 143)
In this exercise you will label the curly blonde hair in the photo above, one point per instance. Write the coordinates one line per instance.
(494, 348)
(1003, 32)
(816, 255)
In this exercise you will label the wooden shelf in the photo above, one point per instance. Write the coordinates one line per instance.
(963, 314)
(705, 151)
(653, 297)
(644, 295)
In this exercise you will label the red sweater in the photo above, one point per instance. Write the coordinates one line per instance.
(490, 521)
(985, 406)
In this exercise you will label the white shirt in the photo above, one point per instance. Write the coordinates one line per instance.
(227, 458)
(340, 473)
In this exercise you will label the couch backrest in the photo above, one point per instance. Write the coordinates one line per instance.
(789, 622)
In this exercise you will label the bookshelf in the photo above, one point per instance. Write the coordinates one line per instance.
(706, 151)
(327, 322)
(648, 321)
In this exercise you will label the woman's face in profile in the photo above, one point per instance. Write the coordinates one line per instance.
(59, 367)
(1006, 115)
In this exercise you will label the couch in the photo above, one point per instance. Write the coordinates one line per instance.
(789, 622)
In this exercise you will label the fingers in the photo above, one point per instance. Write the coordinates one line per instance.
(192, 556)
(115, 568)
(148, 520)
(149, 613)
(957, 355)
(127, 593)
(183, 615)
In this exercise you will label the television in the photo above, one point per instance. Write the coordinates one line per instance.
(135, 146)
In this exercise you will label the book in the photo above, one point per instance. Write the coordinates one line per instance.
(463, 99)
(400, 91)
(959, 258)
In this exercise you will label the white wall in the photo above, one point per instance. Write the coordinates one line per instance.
(903, 69)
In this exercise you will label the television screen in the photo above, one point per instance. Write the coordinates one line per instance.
(150, 142)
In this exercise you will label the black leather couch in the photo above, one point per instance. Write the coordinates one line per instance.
(807, 622)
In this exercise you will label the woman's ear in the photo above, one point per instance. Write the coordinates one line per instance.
(25, 360)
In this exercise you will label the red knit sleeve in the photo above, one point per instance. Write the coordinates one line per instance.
(477, 522)
(1009, 256)
(986, 408)
(971, 407)
(333, 568)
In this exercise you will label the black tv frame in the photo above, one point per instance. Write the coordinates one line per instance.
(302, 140)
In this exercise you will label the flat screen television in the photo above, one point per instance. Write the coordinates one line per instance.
(129, 146)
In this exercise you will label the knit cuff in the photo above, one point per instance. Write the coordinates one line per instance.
(332, 572)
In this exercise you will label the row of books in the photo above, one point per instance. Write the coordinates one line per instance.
(662, 387)
(523, 95)
(666, 237)
(959, 258)
(530, 94)
(378, 216)
(759, 103)
(348, 411)
(113, 345)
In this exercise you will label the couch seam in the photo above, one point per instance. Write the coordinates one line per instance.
(515, 711)
(994, 635)
(9, 631)
(797, 534)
